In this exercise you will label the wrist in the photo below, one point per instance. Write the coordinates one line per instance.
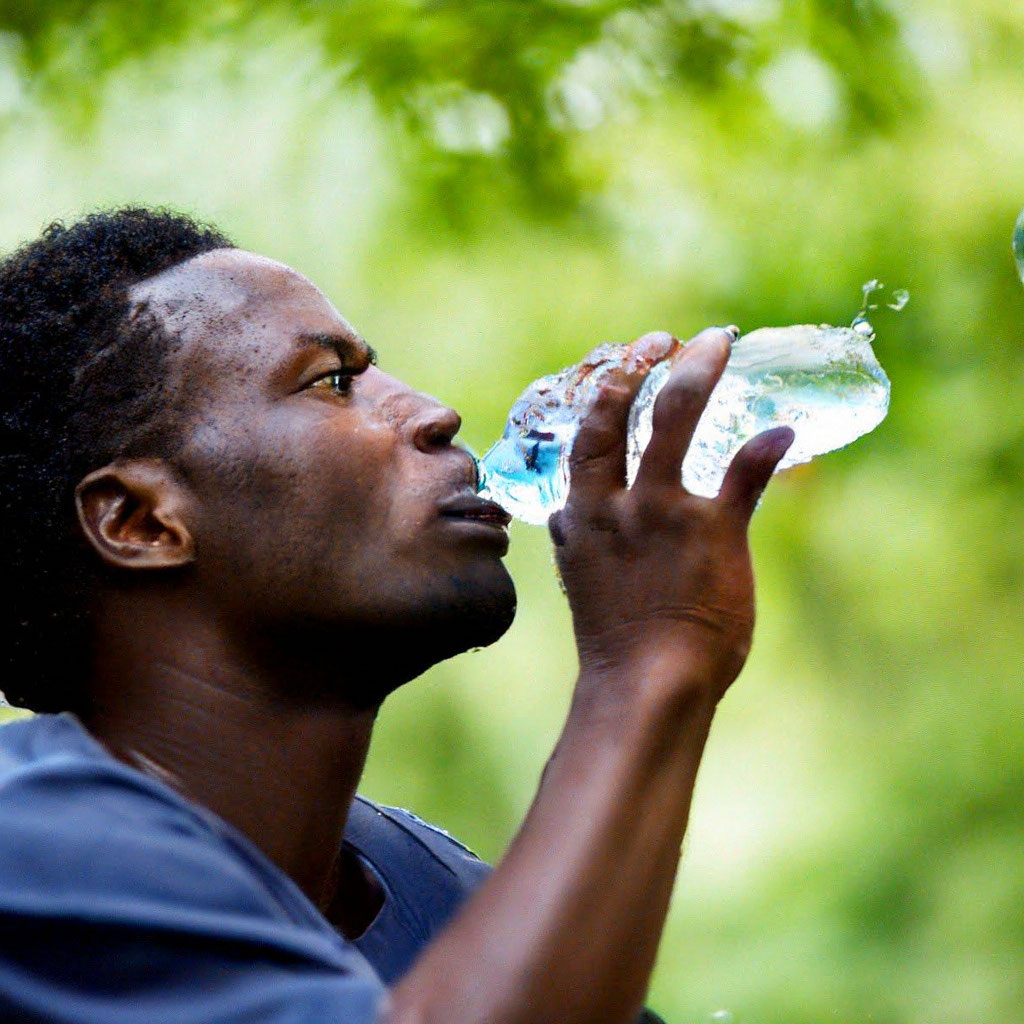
(670, 678)
(651, 697)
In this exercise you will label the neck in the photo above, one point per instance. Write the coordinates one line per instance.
(182, 703)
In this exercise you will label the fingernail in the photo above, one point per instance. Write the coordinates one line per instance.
(734, 331)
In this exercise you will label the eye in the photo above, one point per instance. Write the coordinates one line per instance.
(338, 382)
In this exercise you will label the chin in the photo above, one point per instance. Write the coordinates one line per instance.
(473, 611)
(479, 611)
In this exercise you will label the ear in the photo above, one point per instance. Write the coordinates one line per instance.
(133, 514)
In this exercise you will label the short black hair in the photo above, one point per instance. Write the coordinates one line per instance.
(81, 383)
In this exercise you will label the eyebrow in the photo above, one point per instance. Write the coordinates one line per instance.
(345, 346)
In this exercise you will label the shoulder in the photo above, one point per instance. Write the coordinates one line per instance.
(426, 874)
(83, 835)
(428, 871)
(123, 901)
(399, 830)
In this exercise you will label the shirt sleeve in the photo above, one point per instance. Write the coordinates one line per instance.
(430, 868)
(118, 906)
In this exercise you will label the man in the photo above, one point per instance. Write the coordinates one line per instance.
(228, 536)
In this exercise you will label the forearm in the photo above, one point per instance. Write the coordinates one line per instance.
(567, 927)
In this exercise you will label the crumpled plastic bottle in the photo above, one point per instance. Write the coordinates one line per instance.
(822, 381)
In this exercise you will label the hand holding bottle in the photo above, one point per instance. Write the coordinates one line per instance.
(659, 580)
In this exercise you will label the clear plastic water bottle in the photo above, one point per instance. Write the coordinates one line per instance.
(822, 381)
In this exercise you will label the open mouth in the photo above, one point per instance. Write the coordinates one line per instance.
(477, 510)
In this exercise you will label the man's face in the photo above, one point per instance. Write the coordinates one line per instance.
(329, 504)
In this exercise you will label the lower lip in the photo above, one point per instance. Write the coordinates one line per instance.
(489, 528)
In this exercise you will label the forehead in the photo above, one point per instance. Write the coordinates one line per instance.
(229, 306)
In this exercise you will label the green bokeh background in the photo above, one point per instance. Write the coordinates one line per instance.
(489, 189)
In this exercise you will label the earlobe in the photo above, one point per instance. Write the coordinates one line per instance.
(133, 514)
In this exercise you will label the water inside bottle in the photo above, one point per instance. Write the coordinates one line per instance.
(824, 382)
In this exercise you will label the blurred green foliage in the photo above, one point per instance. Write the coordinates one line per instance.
(492, 90)
(487, 190)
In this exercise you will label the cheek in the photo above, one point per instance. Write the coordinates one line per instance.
(277, 501)
(322, 500)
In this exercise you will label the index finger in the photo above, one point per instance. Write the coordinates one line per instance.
(597, 462)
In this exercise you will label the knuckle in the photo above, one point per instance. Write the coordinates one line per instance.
(604, 519)
(653, 346)
(607, 408)
(588, 528)
(592, 510)
(557, 528)
(613, 394)
(741, 651)
(649, 349)
(665, 509)
(649, 505)
(656, 337)
(596, 444)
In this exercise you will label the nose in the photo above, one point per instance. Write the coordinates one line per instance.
(435, 427)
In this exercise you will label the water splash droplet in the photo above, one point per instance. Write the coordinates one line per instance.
(900, 298)
(868, 288)
(1018, 244)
